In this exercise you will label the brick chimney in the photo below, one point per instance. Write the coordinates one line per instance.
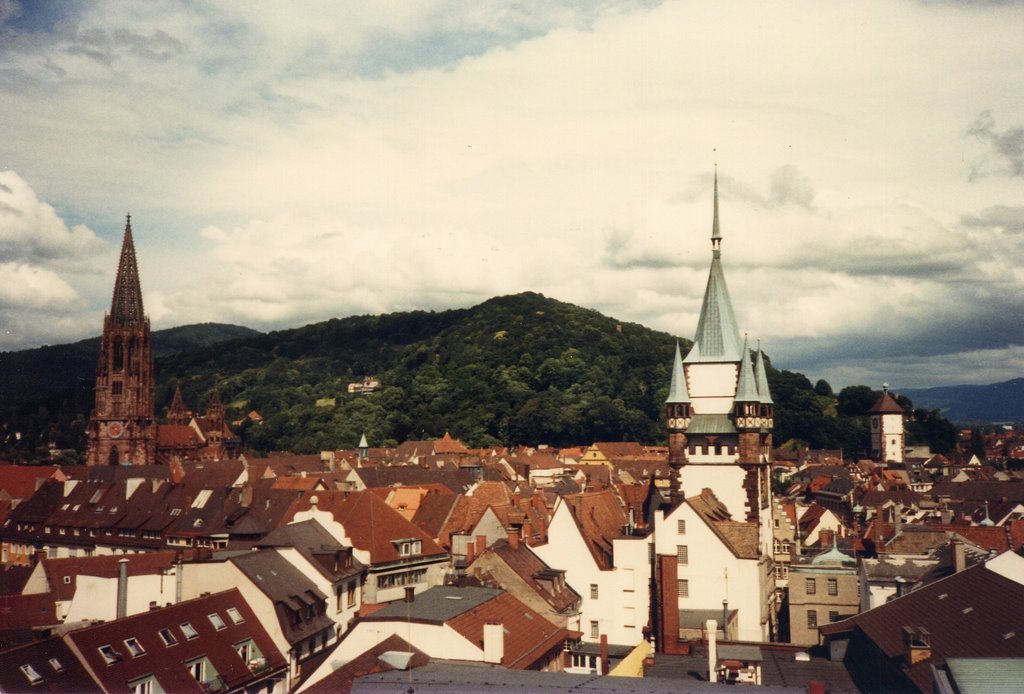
(513, 538)
(481, 544)
(604, 654)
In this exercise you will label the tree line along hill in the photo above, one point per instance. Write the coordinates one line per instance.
(521, 369)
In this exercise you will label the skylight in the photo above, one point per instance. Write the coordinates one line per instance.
(167, 637)
(188, 630)
(201, 498)
(109, 654)
(235, 615)
(31, 674)
(216, 621)
(55, 664)
(134, 647)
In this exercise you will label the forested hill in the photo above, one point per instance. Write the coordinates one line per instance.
(514, 369)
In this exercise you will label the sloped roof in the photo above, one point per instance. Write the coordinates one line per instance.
(600, 518)
(22, 481)
(677, 391)
(529, 567)
(976, 613)
(739, 537)
(168, 663)
(371, 524)
(71, 677)
(886, 405)
(367, 663)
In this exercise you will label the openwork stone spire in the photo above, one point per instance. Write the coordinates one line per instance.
(126, 308)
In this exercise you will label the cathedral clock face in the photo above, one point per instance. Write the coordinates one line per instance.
(115, 429)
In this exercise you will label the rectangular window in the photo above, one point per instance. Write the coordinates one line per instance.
(235, 615)
(142, 685)
(167, 637)
(810, 586)
(812, 619)
(109, 654)
(189, 631)
(683, 587)
(350, 594)
(116, 387)
(198, 669)
(595, 630)
(833, 586)
(216, 620)
(629, 617)
(682, 555)
(55, 664)
(31, 674)
(833, 616)
(593, 591)
(681, 526)
(134, 647)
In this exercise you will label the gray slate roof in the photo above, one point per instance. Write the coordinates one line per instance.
(438, 604)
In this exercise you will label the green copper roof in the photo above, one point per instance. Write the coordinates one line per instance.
(677, 391)
(746, 388)
(761, 376)
(710, 424)
(718, 337)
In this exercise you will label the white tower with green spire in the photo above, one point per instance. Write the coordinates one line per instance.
(724, 441)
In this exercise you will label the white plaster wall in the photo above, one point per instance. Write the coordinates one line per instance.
(96, 598)
(712, 386)
(726, 481)
(567, 550)
(714, 572)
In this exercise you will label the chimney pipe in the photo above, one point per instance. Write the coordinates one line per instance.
(712, 628)
(725, 618)
(513, 538)
(481, 544)
(604, 654)
(122, 588)
(410, 594)
(470, 553)
(959, 556)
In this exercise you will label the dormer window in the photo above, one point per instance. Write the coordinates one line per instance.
(134, 647)
(110, 656)
(55, 664)
(31, 674)
(409, 547)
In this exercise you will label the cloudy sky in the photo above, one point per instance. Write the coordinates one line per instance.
(288, 162)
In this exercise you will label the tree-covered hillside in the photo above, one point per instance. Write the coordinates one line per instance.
(514, 369)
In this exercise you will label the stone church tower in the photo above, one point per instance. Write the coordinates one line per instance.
(122, 430)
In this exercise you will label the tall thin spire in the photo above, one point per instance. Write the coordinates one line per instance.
(718, 336)
(677, 391)
(126, 307)
(761, 376)
(716, 233)
(746, 386)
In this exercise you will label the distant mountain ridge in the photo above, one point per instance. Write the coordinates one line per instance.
(967, 404)
(35, 374)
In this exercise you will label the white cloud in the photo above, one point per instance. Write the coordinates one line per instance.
(288, 166)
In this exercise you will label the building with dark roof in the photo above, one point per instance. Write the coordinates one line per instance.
(901, 645)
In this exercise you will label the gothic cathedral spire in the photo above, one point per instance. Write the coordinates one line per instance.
(122, 430)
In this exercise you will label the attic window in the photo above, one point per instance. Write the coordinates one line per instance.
(175, 511)
(134, 647)
(188, 630)
(216, 620)
(96, 497)
(109, 654)
(55, 664)
(67, 580)
(1009, 635)
(113, 509)
(235, 615)
(197, 523)
(968, 610)
(201, 498)
(31, 674)
(167, 637)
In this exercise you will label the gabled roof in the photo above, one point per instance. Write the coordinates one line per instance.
(62, 574)
(600, 518)
(371, 524)
(22, 481)
(367, 663)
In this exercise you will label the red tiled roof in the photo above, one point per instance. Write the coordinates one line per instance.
(370, 523)
(528, 635)
(22, 481)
